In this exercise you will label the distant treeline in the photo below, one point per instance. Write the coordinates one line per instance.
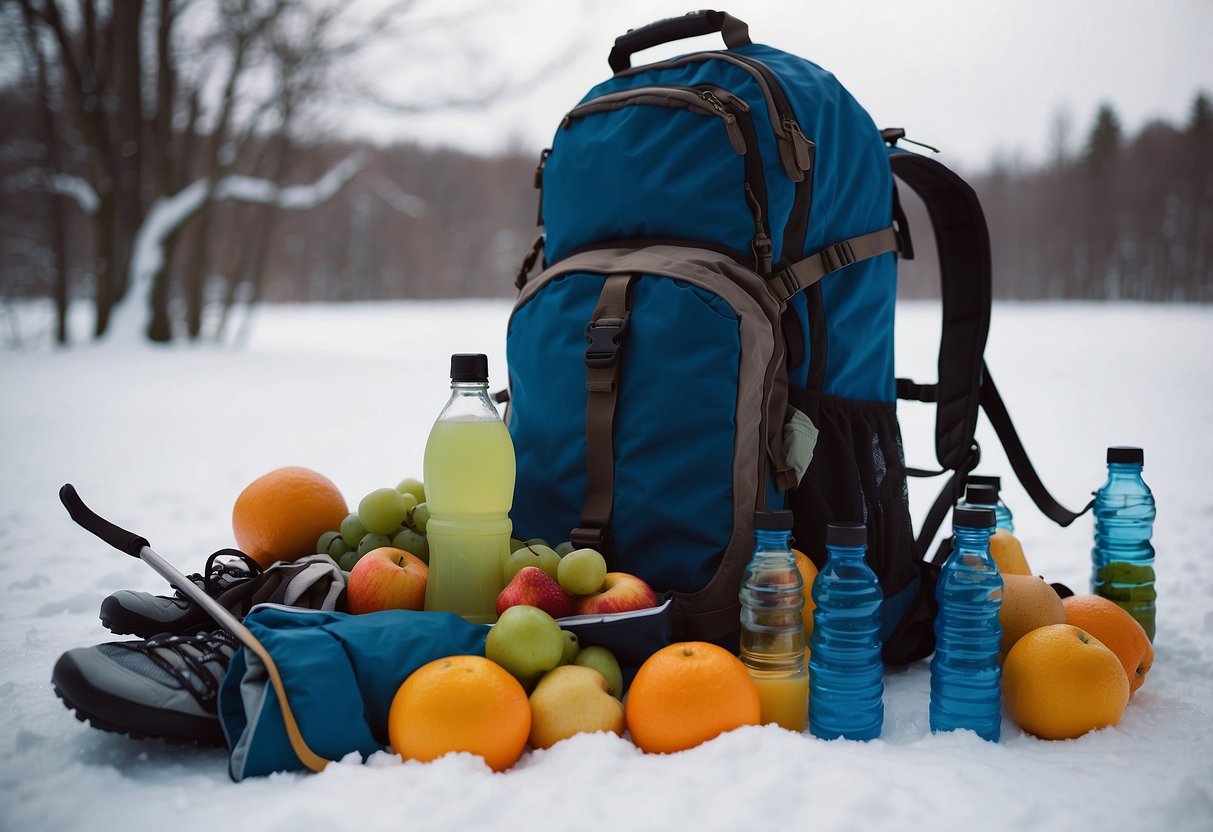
(1124, 217)
(1128, 217)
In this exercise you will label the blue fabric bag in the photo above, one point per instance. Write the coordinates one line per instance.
(341, 672)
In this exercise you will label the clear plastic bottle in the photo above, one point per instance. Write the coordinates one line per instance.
(1123, 558)
(965, 674)
(469, 486)
(1003, 517)
(772, 631)
(846, 673)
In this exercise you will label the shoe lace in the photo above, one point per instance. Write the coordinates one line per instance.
(219, 575)
(187, 660)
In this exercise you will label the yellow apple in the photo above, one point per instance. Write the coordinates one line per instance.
(569, 700)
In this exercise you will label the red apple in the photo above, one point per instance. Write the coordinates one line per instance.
(536, 588)
(386, 579)
(620, 592)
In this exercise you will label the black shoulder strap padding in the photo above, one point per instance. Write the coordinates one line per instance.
(1000, 419)
(963, 242)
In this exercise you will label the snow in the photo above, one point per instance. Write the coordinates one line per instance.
(161, 439)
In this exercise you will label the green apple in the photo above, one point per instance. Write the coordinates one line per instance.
(604, 661)
(572, 645)
(572, 700)
(537, 554)
(526, 641)
(582, 572)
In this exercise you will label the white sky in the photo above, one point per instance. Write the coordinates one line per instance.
(974, 78)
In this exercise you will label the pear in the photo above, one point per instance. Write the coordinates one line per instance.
(536, 588)
(1027, 604)
(572, 700)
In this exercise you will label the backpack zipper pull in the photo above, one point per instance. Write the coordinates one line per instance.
(802, 155)
(730, 121)
(761, 244)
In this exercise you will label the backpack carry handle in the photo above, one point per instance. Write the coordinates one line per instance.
(704, 22)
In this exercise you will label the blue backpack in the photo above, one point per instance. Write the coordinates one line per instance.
(712, 332)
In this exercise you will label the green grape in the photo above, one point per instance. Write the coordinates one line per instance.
(564, 548)
(325, 541)
(372, 541)
(421, 517)
(338, 547)
(414, 487)
(346, 561)
(382, 511)
(410, 501)
(536, 541)
(352, 529)
(411, 541)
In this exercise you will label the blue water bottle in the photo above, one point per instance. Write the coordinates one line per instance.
(965, 674)
(1003, 518)
(846, 674)
(1123, 559)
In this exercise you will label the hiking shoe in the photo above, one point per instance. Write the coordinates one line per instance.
(234, 580)
(165, 687)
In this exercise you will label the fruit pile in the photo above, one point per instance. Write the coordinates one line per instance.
(1068, 666)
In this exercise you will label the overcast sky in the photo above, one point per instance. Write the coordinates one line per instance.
(975, 78)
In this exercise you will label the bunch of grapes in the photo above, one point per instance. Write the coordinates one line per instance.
(386, 517)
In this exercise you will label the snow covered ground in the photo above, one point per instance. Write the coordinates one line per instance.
(162, 439)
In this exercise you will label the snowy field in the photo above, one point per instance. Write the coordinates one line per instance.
(163, 439)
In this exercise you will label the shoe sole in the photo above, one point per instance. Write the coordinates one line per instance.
(120, 716)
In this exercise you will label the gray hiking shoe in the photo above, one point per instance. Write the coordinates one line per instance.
(234, 580)
(166, 686)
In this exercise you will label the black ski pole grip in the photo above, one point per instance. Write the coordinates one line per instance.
(86, 518)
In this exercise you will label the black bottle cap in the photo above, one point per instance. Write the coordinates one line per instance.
(775, 520)
(1124, 453)
(846, 534)
(973, 518)
(984, 479)
(469, 366)
(981, 495)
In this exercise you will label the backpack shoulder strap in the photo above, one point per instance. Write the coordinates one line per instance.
(964, 264)
(964, 385)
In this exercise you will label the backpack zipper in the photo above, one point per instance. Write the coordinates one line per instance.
(734, 111)
(796, 151)
(686, 97)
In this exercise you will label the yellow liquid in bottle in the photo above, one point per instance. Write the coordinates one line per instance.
(469, 487)
(785, 700)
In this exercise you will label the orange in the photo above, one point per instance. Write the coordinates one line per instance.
(808, 573)
(1058, 682)
(1117, 629)
(1007, 552)
(687, 693)
(460, 703)
(280, 515)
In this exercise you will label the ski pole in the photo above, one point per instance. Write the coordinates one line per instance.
(138, 547)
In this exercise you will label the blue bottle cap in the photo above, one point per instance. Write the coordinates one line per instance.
(773, 520)
(1126, 454)
(846, 534)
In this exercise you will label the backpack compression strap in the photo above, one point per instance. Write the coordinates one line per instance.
(804, 273)
(605, 333)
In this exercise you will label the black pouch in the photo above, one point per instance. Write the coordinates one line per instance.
(858, 474)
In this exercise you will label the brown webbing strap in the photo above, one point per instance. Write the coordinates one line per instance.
(804, 273)
(605, 334)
